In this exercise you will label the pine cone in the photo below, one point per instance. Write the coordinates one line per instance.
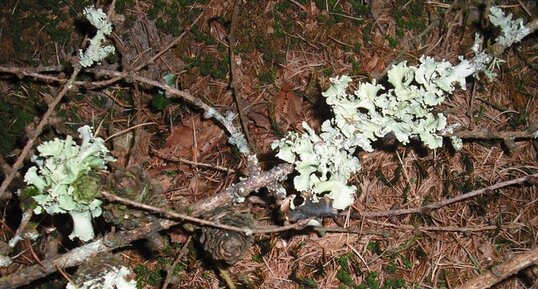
(224, 245)
(136, 185)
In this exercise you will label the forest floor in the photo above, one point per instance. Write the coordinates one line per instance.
(284, 53)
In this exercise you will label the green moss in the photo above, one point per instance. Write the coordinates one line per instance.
(200, 36)
(334, 7)
(155, 276)
(394, 283)
(267, 76)
(209, 65)
(100, 101)
(40, 22)
(360, 9)
(170, 16)
(146, 276)
(367, 33)
(15, 114)
(411, 18)
(343, 274)
(121, 5)
(373, 246)
(393, 42)
(282, 6)
(355, 67)
(86, 188)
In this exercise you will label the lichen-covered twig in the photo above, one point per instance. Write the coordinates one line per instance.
(531, 132)
(498, 48)
(174, 215)
(243, 189)
(531, 179)
(110, 242)
(502, 271)
(78, 255)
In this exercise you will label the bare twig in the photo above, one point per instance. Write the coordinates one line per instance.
(170, 271)
(174, 215)
(499, 272)
(128, 129)
(447, 202)
(490, 134)
(174, 92)
(39, 128)
(324, 230)
(235, 78)
(113, 241)
(480, 228)
(195, 164)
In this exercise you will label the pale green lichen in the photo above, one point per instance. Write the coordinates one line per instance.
(97, 51)
(62, 178)
(512, 31)
(325, 161)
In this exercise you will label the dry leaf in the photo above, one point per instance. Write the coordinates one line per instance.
(288, 105)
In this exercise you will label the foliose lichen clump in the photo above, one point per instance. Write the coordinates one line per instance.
(64, 180)
(325, 161)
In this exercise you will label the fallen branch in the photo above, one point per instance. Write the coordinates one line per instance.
(489, 134)
(531, 179)
(79, 255)
(500, 272)
(184, 217)
(113, 241)
(243, 189)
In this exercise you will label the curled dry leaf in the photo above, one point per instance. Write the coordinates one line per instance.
(288, 105)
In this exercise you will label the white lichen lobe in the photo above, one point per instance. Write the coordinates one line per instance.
(61, 178)
(97, 51)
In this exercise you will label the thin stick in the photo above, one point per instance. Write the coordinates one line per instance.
(26, 216)
(128, 129)
(195, 164)
(39, 128)
(169, 46)
(170, 271)
(171, 214)
(235, 79)
(446, 202)
(503, 270)
(489, 134)
(448, 228)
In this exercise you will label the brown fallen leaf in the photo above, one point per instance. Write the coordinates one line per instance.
(288, 106)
